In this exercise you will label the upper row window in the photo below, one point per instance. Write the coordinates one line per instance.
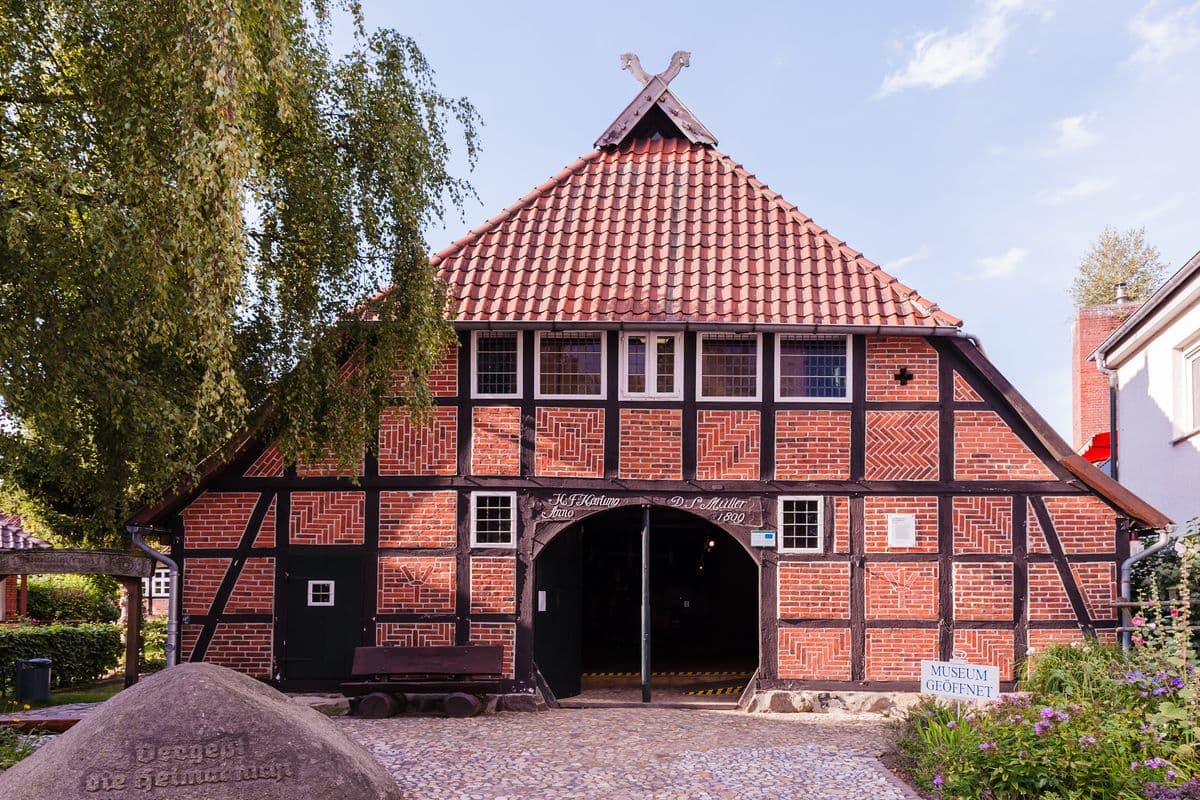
(729, 366)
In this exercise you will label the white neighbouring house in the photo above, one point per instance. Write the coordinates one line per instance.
(1154, 358)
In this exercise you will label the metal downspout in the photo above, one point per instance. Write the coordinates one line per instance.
(1111, 374)
(172, 646)
(1170, 536)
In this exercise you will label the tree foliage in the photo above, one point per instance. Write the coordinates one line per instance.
(192, 196)
(1117, 257)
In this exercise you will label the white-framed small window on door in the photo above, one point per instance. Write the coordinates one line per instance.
(320, 593)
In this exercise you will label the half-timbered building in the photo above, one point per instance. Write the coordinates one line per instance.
(831, 480)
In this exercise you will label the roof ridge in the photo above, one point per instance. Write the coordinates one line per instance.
(868, 267)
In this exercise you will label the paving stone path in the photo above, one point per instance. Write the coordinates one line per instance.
(657, 754)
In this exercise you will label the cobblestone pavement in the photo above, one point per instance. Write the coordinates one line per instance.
(657, 754)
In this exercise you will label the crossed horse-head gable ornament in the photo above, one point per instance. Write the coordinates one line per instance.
(655, 93)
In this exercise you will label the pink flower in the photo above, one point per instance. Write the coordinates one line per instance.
(1174, 612)
(1138, 621)
(937, 780)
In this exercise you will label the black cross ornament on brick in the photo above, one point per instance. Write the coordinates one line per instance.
(903, 376)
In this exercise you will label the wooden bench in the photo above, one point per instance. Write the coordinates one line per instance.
(385, 674)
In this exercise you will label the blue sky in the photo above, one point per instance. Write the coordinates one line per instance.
(972, 149)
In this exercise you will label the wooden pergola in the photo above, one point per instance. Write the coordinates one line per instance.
(129, 568)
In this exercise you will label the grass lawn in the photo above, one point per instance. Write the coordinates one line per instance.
(87, 693)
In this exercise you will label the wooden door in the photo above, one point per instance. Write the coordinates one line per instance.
(324, 616)
(558, 613)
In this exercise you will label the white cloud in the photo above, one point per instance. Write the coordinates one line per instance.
(1170, 203)
(1003, 265)
(1085, 188)
(1073, 133)
(940, 58)
(1166, 36)
(900, 263)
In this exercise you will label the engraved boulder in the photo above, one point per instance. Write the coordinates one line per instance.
(199, 731)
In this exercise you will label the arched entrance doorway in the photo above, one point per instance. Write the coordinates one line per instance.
(703, 599)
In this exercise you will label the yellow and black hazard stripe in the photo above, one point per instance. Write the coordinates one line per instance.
(717, 690)
(699, 674)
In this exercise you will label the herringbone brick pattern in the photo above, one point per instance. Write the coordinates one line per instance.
(217, 519)
(569, 442)
(1048, 599)
(501, 633)
(1084, 524)
(894, 654)
(493, 585)
(651, 444)
(201, 577)
(812, 445)
(901, 590)
(266, 532)
(408, 448)
(269, 464)
(964, 392)
(416, 584)
(254, 592)
(875, 523)
(887, 354)
(418, 519)
(1099, 584)
(902, 445)
(814, 654)
(496, 440)
(986, 449)
(414, 634)
(814, 590)
(982, 524)
(727, 445)
(326, 518)
(983, 592)
(986, 647)
(841, 525)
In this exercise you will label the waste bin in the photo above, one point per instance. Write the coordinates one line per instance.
(33, 679)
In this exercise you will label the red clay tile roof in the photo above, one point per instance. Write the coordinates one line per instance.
(663, 230)
(14, 537)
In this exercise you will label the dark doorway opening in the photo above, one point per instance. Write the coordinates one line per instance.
(703, 599)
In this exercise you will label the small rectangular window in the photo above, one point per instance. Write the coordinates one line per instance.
(801, 524)
(320, 593)
(813, 368)
(160, 584)
(570, 365)
(497, 364)
(493, 519)
(1193, 370)
(729, 366)
(650, 366)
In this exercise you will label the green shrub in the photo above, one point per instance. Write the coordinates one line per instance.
(71, 597)
(154, 645)
(80, 654)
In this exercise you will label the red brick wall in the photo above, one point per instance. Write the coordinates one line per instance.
(418, 519)
(1089, 386)
(1035, 536)
(1084, 524)
(875, 524)
(569, 442)
(982, 524)
(501, 633)
(1048, 599)
(901, 591)
(983, 592)
(902, 446)
(201, 578)
(814, 654)
(1098, 583)
(443, 378)
(812, 445)
(887, 354)
(415, 634)
(493, 585)
(217, 519)
(254, 592)
(1041, 638)
(408, 448)
(814, 590)
(266, 531)
(985, 448)
(963, 391)
(188, 636)
(841, 525)
(327, 518)
(651, 443)
(496, 440)
(269, 464)
(727, 446)
(416, 584)
(986, 647)
(894, 654)
(10, 607)
(244, 646)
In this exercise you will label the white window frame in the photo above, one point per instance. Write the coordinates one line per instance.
(757, 396)
(509, 545)
(1191, 417)
(537, 368)
(161, 576)
(780, 398)
(323, 582)
(475, 368)
(820, 501)
(623, 392)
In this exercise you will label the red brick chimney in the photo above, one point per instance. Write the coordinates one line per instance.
(1089, 395)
